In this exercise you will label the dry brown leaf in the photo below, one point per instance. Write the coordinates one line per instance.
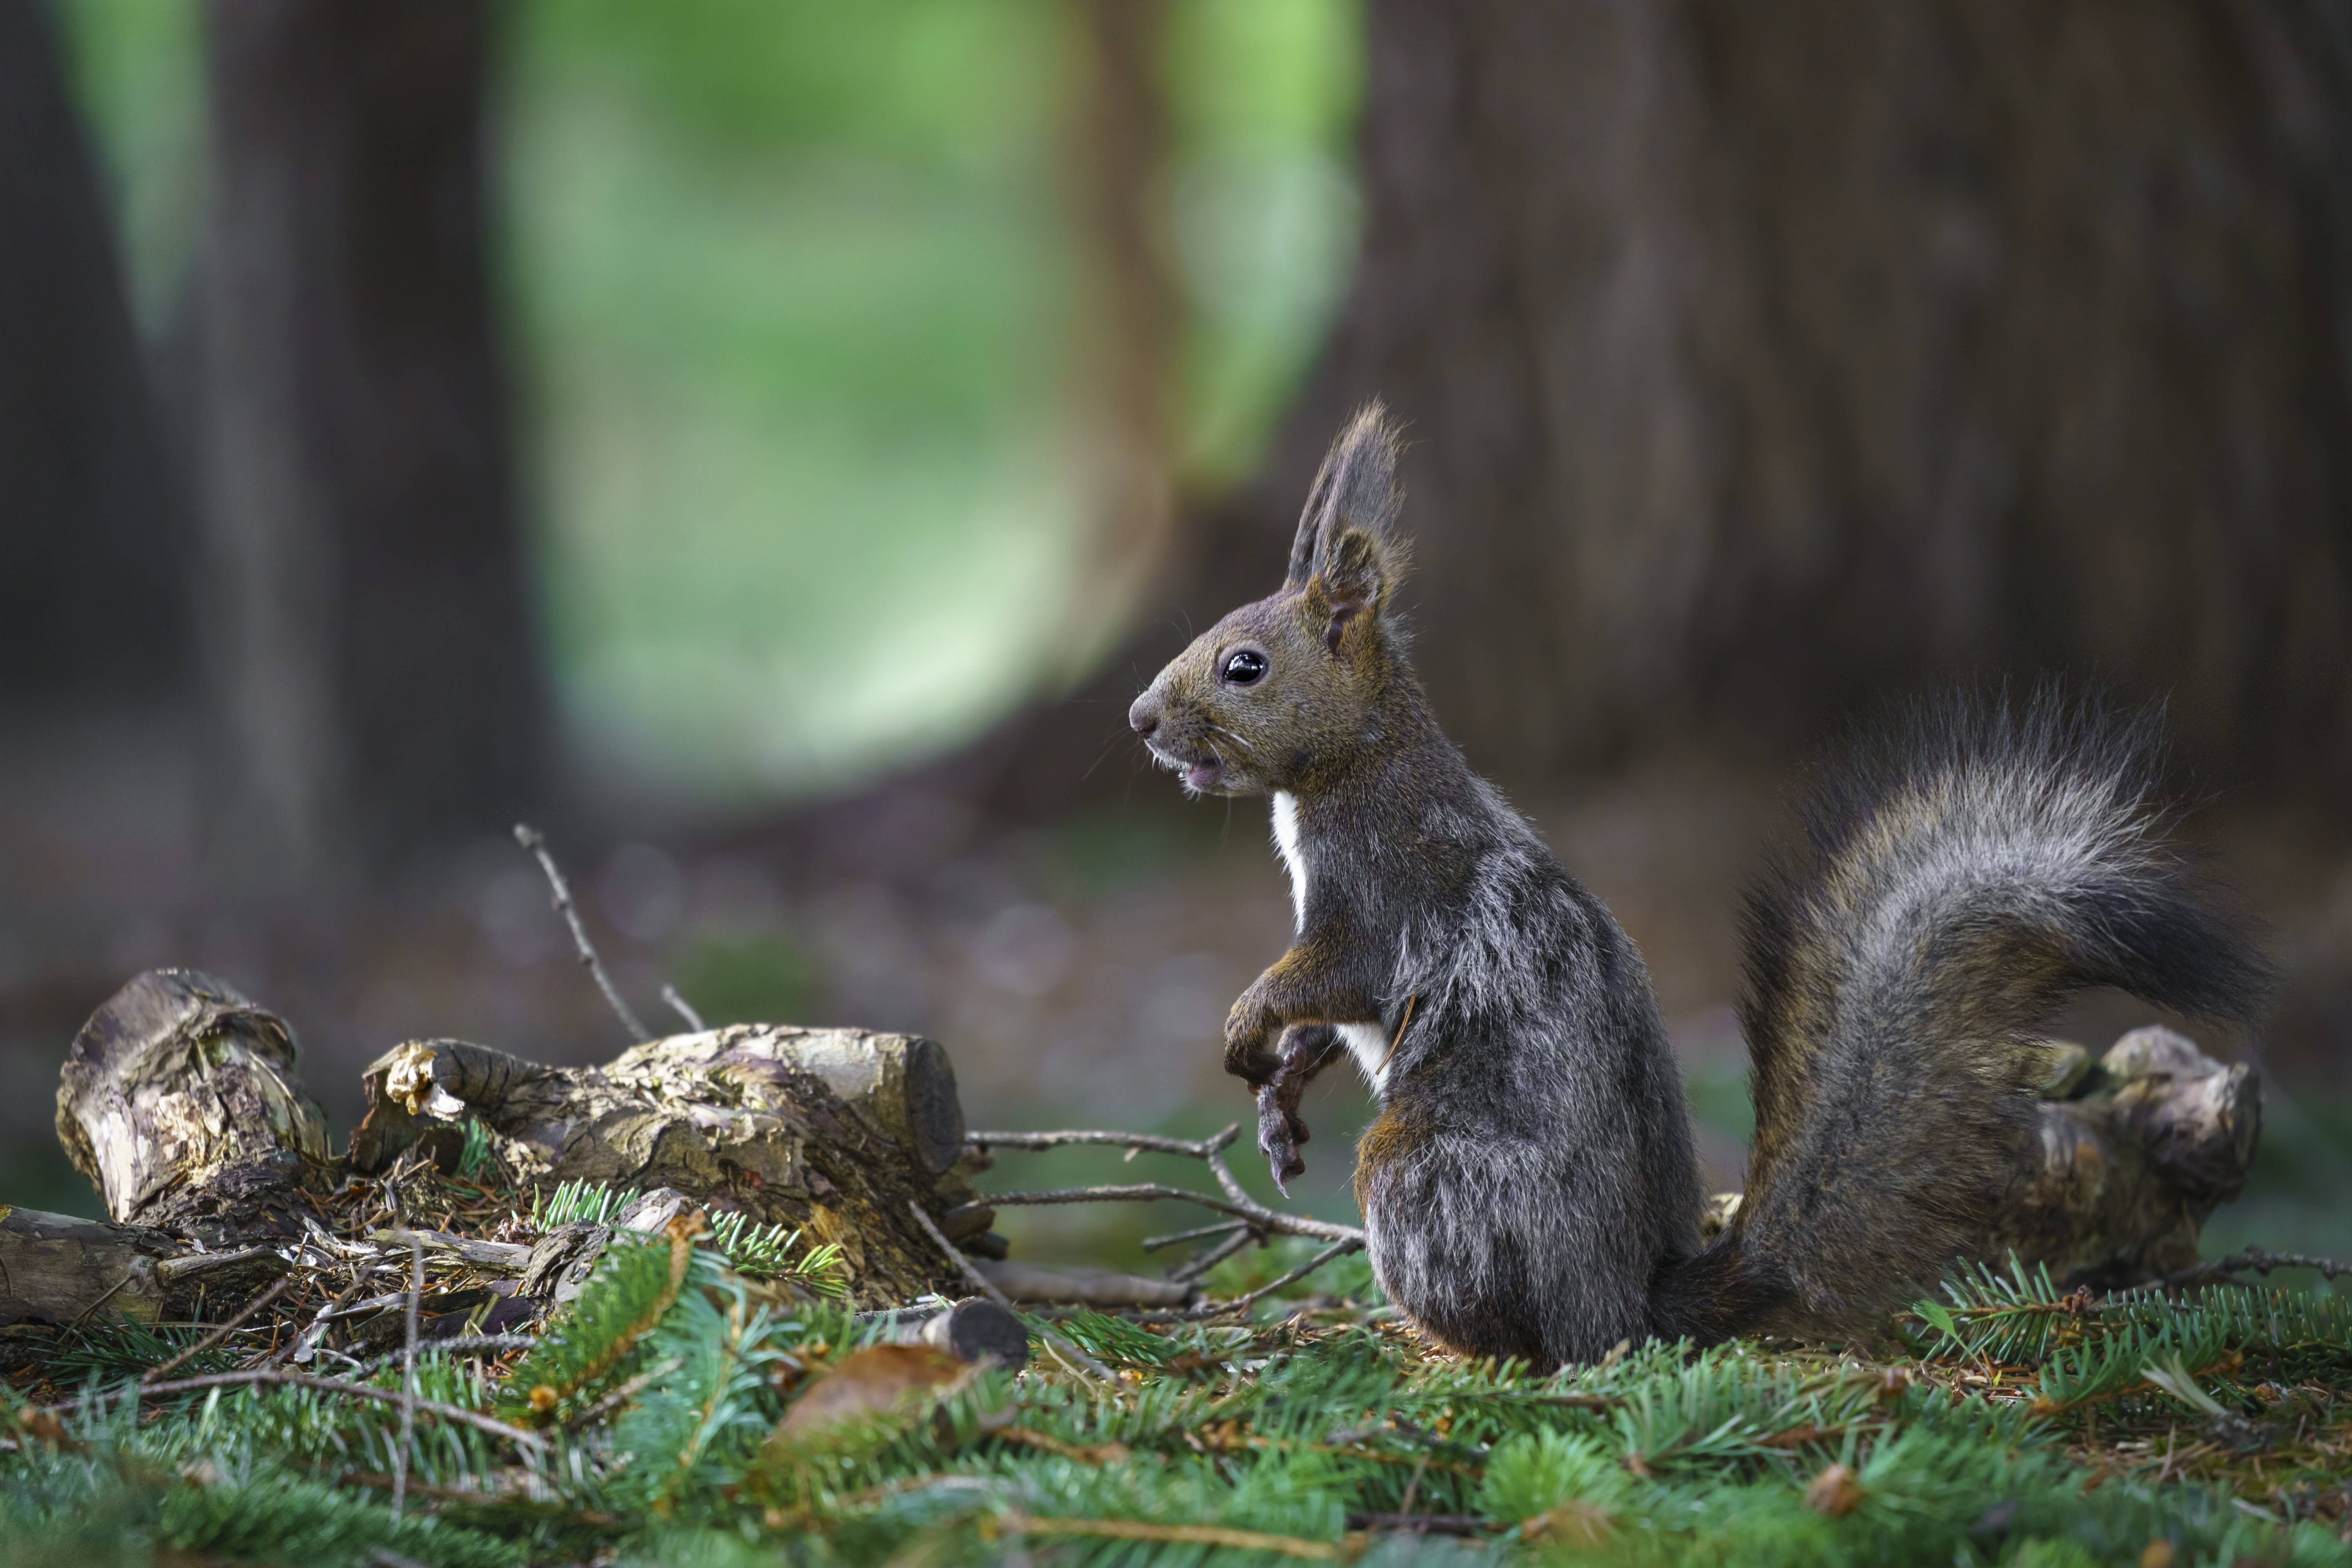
(1573, 1523)
(1834, 1492)
(879, 1380)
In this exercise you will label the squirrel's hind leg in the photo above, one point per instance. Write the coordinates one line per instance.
(1493, 1250)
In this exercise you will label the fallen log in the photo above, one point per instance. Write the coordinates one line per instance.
(2132, 1152)
(182, 1100)
(183, 1103)
(2135, 1150)
(830, 1132)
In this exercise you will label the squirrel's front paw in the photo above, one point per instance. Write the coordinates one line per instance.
(1250, 1029)
(1280, 1130)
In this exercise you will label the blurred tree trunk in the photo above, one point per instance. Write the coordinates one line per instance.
(365, 602)
(91, 551)
(1756, 356)
(1117, 157)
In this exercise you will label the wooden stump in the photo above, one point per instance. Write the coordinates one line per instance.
(832, 1132)
(180, 1098)
(2135, 1150)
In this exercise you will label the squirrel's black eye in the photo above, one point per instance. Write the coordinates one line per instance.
(1244, 667)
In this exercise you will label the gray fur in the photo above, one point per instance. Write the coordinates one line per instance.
(1530, 1188)
(1552, 1173)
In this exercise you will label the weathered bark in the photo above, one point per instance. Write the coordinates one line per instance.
(2133, 1153)
(92, 556)
(831, 1132)
(1753, 355)
(181, 1100)
(364, 602)
(2130, 1163)
(58, 1270)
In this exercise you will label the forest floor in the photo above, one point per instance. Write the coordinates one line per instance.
(1079, 973)
(668, 1418)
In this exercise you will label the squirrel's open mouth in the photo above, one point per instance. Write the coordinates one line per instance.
(1200, 773)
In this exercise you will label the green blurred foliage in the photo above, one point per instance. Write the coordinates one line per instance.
(939, 82)
(1105, 852)
(762, 978)
(1718, 1094)
(1348, 1277)
(793, 293)
(137, 67)
(1264, 95)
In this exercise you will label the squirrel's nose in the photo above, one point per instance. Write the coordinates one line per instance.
(1145, 715)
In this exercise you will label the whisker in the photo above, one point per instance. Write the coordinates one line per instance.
(1236, 739)
(1109, 746)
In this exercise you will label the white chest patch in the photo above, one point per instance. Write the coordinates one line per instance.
(1286, 839)
(1370, 1045)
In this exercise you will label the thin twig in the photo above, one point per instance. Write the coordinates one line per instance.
(1462, 1524)
(1154, 1243)
(988, 1289)
(1151, 1142)
(623, 1394)
(408, 1379)
(455, 1344)
(1140, 1191)
(104, 1296)
(684, 1009)
(1192, 1269)
(155, 1373)
(531, 839)
(1189, 1534)
(475, 1418)
(2255, 1260)
(1241, 1303)
(317, 1324)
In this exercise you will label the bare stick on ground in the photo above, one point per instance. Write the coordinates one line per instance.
(1205, 1260)
(317, 1324)
(987, 1287)
(1211, 1150)
(2255, 1260)
(684, 1009)
(1223, 1227)
(272, 1376)
(1242, 1303)
(157, 1374)
(1152, 1142)
(456, 1344)
(407, 1377)
(1142, 1191)
(531, 839)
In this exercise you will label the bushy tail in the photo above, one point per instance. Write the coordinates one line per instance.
(1963, 874)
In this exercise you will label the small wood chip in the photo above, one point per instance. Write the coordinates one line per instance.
(1834, 1492)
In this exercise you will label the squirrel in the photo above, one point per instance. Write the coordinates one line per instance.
(1530, 1188)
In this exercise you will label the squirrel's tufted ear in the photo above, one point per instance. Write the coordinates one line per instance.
(1356, 572)
(1354, 491)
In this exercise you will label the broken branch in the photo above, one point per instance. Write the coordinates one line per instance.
(531, 839)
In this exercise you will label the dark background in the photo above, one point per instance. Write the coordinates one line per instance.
(767, 442)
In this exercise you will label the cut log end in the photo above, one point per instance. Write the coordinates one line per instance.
(182, 1100)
